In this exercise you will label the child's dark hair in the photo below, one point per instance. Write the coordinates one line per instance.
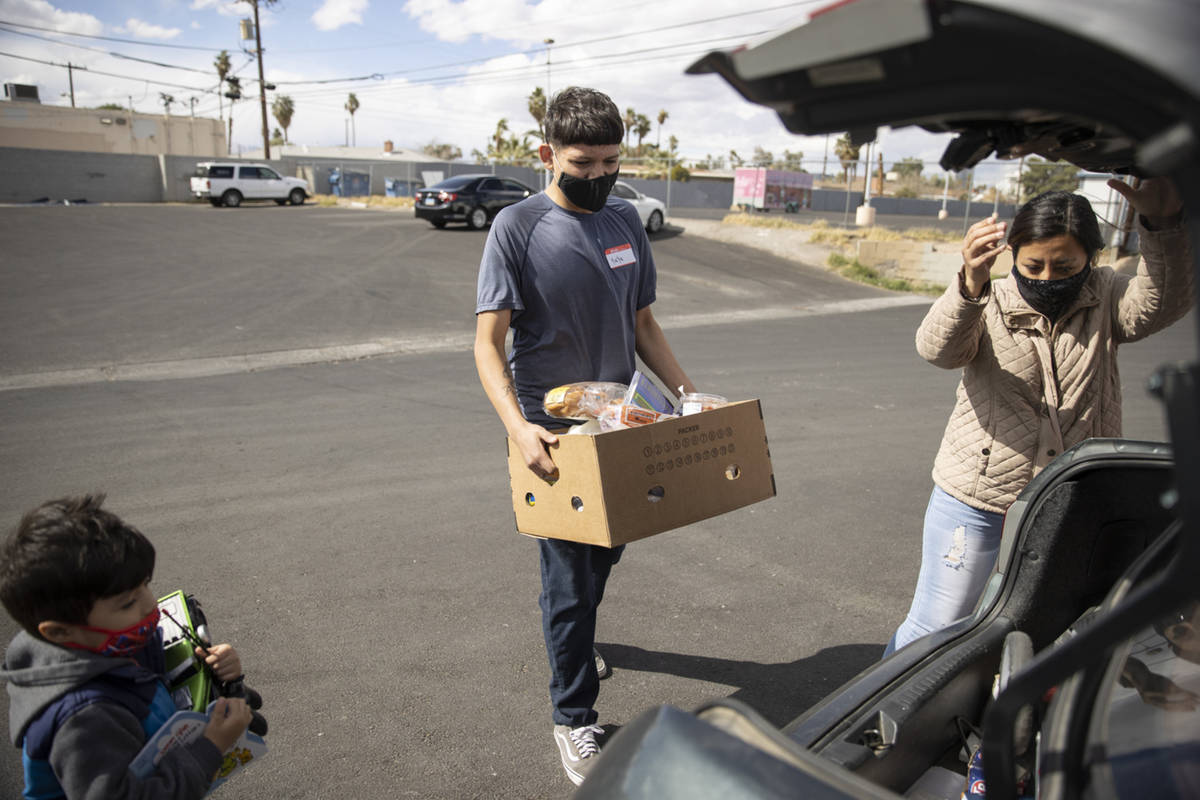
(583, 116)
(64, 556)
(1052, 214)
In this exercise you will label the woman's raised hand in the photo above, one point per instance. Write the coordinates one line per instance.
(1155, 199)
(983, 242)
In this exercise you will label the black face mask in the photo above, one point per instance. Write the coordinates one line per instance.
(1051, 298)
(590, 194)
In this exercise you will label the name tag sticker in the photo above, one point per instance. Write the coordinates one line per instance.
(620, 256)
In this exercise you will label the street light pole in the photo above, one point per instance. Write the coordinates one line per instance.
(547, 41)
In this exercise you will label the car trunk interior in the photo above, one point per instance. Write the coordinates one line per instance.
(1082, 533)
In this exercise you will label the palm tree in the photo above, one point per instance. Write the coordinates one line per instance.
(223, 66)
(498, 136)
(847, 154)
(641, 126)
(662, 117)
(537, 109)
(234, 94)
(629, 118)
(513, 150)
(283, 108)
(352, 106)
(167, 100)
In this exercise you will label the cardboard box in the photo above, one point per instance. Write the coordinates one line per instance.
(624, 485)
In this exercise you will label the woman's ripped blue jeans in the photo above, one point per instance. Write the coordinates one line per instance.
(958, 551)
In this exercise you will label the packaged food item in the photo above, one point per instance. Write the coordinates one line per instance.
(583, 400)
(621, 415)
(695, 402)
(643, 392)
(636, 415)
(610, 418)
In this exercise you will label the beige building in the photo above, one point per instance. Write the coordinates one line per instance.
(31, 124)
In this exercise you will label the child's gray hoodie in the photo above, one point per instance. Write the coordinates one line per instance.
(81, 718)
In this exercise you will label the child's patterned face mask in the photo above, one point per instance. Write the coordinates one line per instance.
(125, 642)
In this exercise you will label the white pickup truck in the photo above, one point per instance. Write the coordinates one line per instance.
(228, 184)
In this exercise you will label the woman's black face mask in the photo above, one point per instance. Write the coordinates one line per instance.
(1051, 298)
(587, 193)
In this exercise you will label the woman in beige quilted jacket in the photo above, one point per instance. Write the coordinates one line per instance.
(1038, 351)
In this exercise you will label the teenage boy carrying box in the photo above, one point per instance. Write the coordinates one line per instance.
(571, 272)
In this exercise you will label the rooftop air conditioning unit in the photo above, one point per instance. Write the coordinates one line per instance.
(21, 91)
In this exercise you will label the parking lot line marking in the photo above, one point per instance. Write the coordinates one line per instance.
(413, 345)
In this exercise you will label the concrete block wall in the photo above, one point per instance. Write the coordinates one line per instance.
(29, 175)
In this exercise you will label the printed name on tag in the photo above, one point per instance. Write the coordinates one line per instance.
(620, 256)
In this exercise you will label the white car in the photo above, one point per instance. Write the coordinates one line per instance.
(226, 184)
(652, 212)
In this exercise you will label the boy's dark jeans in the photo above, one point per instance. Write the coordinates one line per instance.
(573, 579)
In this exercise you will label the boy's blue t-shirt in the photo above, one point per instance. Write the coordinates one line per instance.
(574, 283)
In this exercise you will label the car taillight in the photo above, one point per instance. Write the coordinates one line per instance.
(446, 197)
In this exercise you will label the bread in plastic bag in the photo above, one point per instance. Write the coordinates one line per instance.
(583, 400)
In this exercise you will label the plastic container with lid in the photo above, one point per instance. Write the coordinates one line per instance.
(695, 402)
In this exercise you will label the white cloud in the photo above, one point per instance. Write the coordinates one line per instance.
(458, 21)
(40, 12)
(227, 8)
(145, 30)
(333, 14)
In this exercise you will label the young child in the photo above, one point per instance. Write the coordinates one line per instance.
(85, 676)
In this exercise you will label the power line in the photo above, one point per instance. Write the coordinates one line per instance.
(111, 38)
(395, 73)
(524, 72)
(105, 52)
(491, 31)
(139, 79)
(538, 50)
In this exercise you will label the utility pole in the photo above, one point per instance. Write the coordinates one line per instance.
(71, 80)
(262, 91)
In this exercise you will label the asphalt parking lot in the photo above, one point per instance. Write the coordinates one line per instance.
(284, 401)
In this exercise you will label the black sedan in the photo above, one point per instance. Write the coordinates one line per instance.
(473, 199)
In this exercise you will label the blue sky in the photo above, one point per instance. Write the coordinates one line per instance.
(423, 70)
